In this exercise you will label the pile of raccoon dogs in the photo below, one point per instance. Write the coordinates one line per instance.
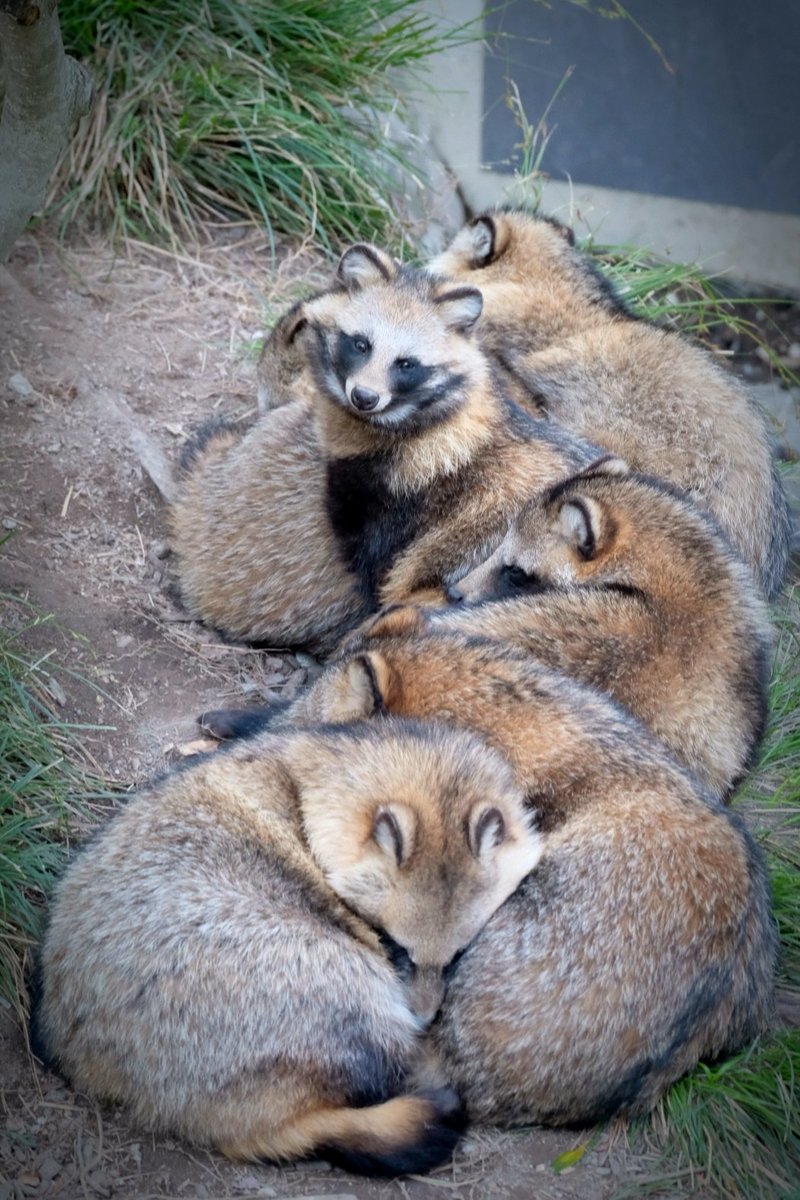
(484, 866)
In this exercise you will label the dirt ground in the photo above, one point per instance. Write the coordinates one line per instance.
(104, 357)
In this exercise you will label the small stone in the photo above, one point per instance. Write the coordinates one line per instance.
(175, 429)
(49, 1168)
(53, 448)
(20, 385)
(9, 523)
(247, 1183)
(124, 640)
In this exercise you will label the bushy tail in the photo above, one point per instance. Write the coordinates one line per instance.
(406, 1135)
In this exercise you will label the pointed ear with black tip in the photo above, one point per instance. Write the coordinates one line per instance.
(586, 525)
(363, 265)
(486, 829)
(460, 307)
(606, 464)
(370, 687)
(394, 830)
(483, 232)
(292, 323)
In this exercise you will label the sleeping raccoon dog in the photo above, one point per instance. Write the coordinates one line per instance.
(647, 394)
(247, 952)
(642, 942)
(621, 581)
(423, 465)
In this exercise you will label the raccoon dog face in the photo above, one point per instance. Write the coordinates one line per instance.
(435, 840)
(566, 538)
(392, 345)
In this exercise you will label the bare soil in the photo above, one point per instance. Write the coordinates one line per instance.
(124, 353)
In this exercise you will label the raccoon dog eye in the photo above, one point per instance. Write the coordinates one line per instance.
(361, 345)
(406, 364)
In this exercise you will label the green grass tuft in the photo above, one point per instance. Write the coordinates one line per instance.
(45, 786)
(266, 112)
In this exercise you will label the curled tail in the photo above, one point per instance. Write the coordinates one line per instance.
(406, 1135)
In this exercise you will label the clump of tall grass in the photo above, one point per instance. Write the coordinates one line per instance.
(46, 784)
(223, 111)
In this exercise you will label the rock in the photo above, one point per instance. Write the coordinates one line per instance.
(20, 385)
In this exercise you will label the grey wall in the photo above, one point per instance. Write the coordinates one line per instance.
(721, 129)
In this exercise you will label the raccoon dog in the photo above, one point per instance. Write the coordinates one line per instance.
(647, 394)
(214, 957)
(426, 460)
(406, 477)
(622, 582)
(256, 555)
(643, 940)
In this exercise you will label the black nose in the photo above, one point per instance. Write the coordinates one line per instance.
(364, 399)
(454, 595)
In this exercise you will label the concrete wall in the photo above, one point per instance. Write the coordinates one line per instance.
(749, 244)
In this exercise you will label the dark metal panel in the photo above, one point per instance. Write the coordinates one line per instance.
(722, 128)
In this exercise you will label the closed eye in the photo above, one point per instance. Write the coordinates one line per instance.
(398, 956)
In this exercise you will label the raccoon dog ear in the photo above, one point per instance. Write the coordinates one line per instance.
(484, 237)
(364, 264)
(290, 324)
(486, 829)
(371, 684)
(581, 522)
(607, 464)
(460, 307)
(393, 830)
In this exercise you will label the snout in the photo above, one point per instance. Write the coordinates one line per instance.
(454, 594)
(363, 399)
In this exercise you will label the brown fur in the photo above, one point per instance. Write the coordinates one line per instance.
(257, 558)
(306, 524)
(644, 393)
(642, 942)
(454, 470)
(212, 958)
(654, 608)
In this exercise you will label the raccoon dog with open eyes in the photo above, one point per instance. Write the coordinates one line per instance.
(214, 958)
(406, 477)
(647, 394)
(426, 459)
